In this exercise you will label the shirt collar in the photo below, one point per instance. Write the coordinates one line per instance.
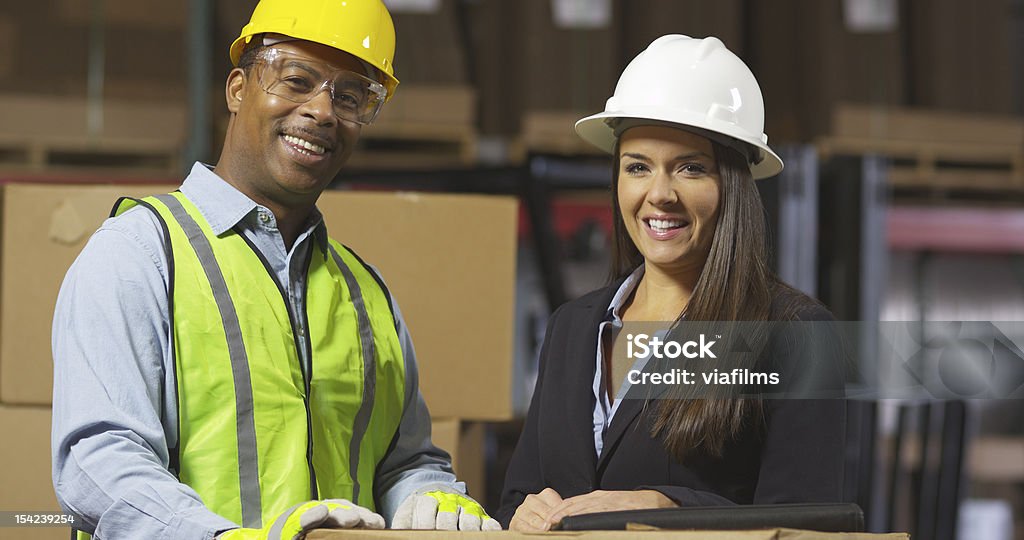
(219, 202)
(223, 206)
(623, 293)
(319, 230)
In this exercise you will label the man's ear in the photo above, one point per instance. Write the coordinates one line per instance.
(234, 88)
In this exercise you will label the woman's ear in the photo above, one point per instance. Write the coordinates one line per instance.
(234, 88)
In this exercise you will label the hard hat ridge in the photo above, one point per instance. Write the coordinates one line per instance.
(707, 46)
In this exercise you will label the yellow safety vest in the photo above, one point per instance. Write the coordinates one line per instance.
(256, 433)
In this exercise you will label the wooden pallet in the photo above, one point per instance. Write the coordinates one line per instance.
(415, 146)
(991, 458)
(938, 153)
(105, 156)
(119, 137)
(939, 165)
(422, 127)
(551, 132)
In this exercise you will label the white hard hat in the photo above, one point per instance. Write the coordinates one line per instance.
(697, 84)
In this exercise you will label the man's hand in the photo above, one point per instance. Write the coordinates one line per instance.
(294, 523)
(441, 507)
(532, 515)
(609, 501)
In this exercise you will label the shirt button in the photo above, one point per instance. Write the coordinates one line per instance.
(264, 217)
(302, 331)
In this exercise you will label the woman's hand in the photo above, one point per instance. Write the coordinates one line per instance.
(531, 516)
(609, 501)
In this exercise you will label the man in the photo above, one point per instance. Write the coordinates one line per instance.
(223, 368)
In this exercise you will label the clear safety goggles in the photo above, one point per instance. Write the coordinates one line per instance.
(299, 79)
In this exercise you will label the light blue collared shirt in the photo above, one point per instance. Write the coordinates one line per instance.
(114, 402)
(604, 409)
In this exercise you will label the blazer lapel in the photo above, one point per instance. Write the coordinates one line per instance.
(621, 422)
(628, 408)
(577, 457)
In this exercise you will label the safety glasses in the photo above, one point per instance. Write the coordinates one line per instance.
(299, 79)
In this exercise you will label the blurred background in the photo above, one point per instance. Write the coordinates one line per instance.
(900, 122)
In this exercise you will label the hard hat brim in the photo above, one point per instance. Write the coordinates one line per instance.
(596, 130)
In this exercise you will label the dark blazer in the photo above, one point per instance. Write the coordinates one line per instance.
(797, 457)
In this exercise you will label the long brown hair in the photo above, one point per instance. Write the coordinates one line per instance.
(736, 284)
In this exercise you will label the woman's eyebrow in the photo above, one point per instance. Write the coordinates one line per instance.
(692, 155)
(680, 157)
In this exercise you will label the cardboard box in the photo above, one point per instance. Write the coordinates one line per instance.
(464, 441)
(25, 471)
(423, 127)
(434, 105)
(766, 534)
(44, 229)
(908, 124)
(58, 120)
(996, 459)
(933, 148)
(449, 260)
(132, 137)
(553, 132)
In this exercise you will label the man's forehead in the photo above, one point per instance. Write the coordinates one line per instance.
(328, 55)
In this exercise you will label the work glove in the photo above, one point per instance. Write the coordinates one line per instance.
(298, 520)
(441, 507)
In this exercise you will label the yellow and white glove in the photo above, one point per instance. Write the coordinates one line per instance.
(294, 523)
(441, 507)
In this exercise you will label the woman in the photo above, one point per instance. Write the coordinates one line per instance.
(685, 127)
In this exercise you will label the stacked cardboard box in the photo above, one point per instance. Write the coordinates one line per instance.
(465, 443)
(116, 138)
(934, 150)
(449, 261)
(93, 85)
(44, 228)
(25, 471)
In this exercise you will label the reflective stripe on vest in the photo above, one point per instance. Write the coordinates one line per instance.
(253, 429)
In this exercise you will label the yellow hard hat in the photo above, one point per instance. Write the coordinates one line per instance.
(362, 28)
